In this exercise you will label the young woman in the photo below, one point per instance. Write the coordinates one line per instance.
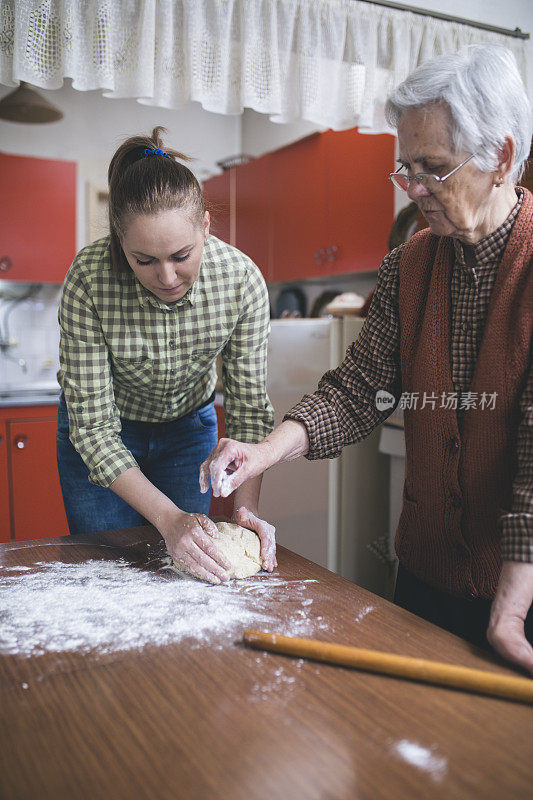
(144, 313)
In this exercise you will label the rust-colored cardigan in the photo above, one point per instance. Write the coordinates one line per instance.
(457, 482)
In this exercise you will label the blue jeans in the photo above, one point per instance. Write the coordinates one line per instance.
(168, 453)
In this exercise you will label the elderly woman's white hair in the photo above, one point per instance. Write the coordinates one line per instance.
(486, 97)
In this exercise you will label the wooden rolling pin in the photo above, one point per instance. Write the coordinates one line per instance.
(417, 669)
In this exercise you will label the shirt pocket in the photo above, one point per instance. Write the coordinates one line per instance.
(203, 357)
(204, 349)
(199, 364)
(132, 372)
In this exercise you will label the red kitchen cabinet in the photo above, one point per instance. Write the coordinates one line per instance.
(360, 199)
(298, 205)
(332, 204)
(5, 518)
(239, 203)
(322, 206)
(253, 212)
(35, 505)
(219, 193)
(38, 218)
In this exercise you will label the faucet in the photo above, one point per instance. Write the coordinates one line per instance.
(5, 339)
(19, 361)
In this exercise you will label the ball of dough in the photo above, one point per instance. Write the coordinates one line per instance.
(241, 547)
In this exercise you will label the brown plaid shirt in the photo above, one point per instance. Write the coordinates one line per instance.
(343, 410)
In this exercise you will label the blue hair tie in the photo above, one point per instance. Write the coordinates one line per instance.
(155, 152)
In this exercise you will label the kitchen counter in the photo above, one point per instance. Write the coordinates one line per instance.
(29, 398)
(202, 716)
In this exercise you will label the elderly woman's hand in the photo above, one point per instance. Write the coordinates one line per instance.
(231, 463)
(191, 541)
(265, 531)
(509, 611)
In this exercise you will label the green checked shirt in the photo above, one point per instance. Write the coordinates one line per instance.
(124, 353)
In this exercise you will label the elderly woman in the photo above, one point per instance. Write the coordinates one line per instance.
(449, 331)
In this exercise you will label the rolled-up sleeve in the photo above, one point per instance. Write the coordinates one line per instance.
(249, 415)
(86, 379)
(516, 526)
(343, 410)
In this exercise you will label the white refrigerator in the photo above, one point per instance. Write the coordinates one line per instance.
(332, 511)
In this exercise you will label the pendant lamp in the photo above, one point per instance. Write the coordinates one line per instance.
(27, 105)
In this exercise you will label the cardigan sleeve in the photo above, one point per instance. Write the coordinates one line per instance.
(516, 527)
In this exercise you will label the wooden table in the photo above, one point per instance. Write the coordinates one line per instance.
(217, 720)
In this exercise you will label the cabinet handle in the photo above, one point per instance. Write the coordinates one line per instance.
(332, 253)
(5, 263)
(21, 441)
(320, 256)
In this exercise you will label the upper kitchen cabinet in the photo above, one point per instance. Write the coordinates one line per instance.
(360, 200)
(319, 207)
(332, 204)
(298, 209)
(252, 212)
(239, 202)
(38, 213)
(218, 194)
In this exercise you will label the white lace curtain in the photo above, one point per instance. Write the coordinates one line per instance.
(331, 62)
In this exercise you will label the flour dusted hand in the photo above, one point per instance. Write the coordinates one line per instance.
(191, 541)
(231, 463)
(240, 547)
(264, 530)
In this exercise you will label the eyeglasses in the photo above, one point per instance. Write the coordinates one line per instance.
(430, 182)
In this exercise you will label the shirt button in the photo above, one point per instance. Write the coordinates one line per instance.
(465, 326)
(172, 343)
(455, 443)
(172, 372)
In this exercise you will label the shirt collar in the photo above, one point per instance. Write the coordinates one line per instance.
(490, 249)
(144, 297)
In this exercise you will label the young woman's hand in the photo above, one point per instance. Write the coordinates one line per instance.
(266, 533)
(191, 541)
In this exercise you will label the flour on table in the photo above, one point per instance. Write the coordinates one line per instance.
(362, 614)
(423, 758)
(109, 606)
(241, 547)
